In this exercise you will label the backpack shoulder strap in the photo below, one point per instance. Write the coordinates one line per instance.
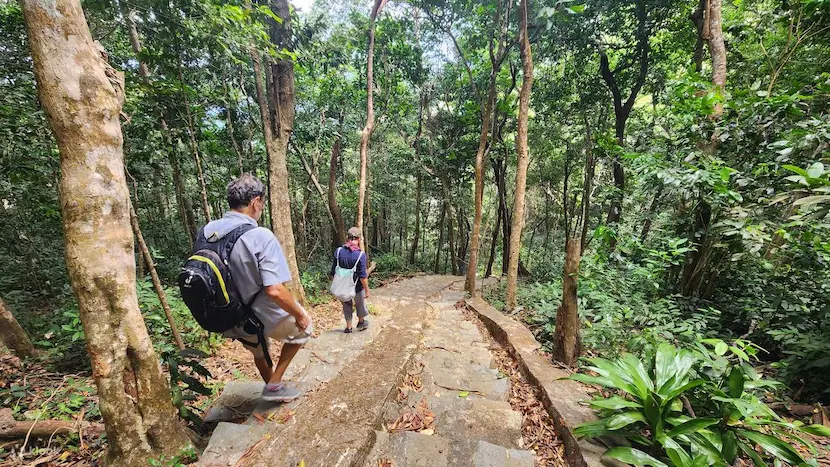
(231, 238)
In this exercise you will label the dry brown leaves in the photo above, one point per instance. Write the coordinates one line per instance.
(537, 427)
(418, 419)
(385, 463)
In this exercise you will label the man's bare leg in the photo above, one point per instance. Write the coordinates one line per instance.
(264, 369)
(286, 355)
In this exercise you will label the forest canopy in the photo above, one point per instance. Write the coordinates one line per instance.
(664, 177)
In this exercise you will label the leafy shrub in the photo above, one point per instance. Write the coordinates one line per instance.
(723, 418)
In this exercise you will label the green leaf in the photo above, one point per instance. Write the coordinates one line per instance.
(632, 456)
(739, 352)
(621, 420)
(721, 348)
(692, 426)
(736, 382)
(592, 429)
(463, 394)
(750, 452)
(809, 200)
(614, 403)
(730, 446)
(818, 430)
(773, 445)
(678, 455)
(816, 170)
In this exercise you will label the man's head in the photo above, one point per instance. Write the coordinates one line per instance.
(354, 233)
(245, 195)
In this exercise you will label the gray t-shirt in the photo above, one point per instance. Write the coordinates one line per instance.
(256, 261)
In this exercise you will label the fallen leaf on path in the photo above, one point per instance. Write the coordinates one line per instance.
(385, 463)
(421, 418)
(463, 394)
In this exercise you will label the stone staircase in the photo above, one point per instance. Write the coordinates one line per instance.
(352, 393)
(457, 382)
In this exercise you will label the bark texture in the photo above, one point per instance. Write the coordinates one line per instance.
(282, 108)
(523, 160)
(82, 96)
(717, 49)
(566, 338)
(369, 128)
(13, 336)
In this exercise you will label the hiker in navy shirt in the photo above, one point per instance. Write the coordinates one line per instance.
(347, 256)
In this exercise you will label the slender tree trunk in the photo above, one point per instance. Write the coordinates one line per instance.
(717, 50)
(587, 187)
(334, 208)
(416, 236)
(12, 335)
(566, 338)
(506, 219)
(182, 200)
(232, 133)
(697, 18)
(369, 128)
(652, 210)
(523, 160)
(148, 258)
(194, 147)
(440, 238)
(452, 237)
(82, 96)
(495, 239)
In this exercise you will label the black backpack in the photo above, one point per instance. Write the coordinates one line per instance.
(208, 290)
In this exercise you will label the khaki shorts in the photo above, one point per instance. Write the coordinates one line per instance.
(284, 331)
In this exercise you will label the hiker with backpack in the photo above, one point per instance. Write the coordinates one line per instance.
(234, 284)
(350, 280)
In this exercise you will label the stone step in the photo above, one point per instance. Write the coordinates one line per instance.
(237, 401)
(229, 442)
(411, 449)
(467, 370)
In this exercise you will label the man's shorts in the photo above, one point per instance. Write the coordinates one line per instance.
(284, 330)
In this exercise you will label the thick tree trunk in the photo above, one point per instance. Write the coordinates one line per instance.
(282, 107)
(717, 49)
(566, 338)
(13, 336)
(148, 259)
(523, 160)
(334, 208)
(194, 147)
(369, 128)
(82, 96)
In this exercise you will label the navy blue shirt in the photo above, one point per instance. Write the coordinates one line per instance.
(347, 260)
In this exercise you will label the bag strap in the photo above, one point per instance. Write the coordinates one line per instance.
(233, 236)
(354, 268)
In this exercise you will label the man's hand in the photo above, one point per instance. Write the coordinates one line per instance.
(366, 293)
(303, 321)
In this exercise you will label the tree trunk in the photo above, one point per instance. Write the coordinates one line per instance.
(495, 238)
(369, 128)
(440, 243)
(194, 147)
(452, 237)
(697, 18)
(566, 338)
(523, 160)
(505, 214)
(652, 209)
(82, 96)
(417, 235)
(587, 187)
(334, 208)
(13, 336)
(282, 106)
(148, 259)
(717, 50)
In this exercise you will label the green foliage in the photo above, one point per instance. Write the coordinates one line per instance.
(187, 382)
(647, 408)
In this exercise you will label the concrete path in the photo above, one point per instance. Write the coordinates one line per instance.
(418, 389)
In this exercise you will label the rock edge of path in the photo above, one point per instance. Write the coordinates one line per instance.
(561, 397)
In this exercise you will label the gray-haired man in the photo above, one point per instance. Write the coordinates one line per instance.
(257, 264)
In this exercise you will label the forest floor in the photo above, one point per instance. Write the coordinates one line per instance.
(31, 391)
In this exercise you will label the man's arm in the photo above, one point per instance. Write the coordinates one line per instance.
(280, 294)
(365, 283)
